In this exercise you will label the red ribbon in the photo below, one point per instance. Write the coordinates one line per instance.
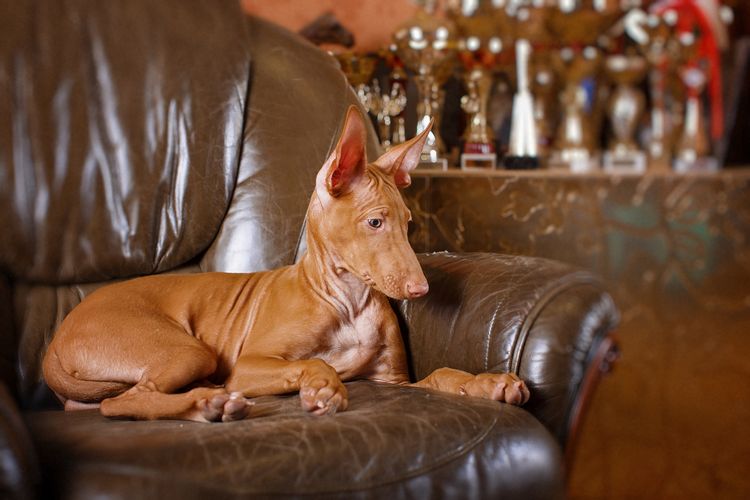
(691, 16)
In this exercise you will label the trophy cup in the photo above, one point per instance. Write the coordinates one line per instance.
(479, 51)
(543, 89)
(531, 113)
(574, 143)
(387, 107)
(398, 80)
(426, 45)
(656, 49)
(359, 69)
(626, 105)
(693, 147)
(523, 152)
(579, 28)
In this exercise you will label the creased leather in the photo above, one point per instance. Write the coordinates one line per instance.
(385, 445)
(120, 127)
(291, 126)
(491, 312)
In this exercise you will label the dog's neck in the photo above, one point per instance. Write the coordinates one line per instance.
(329, 278)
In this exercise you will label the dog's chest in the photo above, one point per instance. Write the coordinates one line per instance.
(353, 346)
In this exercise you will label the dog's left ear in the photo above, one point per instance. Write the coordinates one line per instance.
(348, 160)
(402, 159)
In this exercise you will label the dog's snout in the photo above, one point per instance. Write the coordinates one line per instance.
(417, 289)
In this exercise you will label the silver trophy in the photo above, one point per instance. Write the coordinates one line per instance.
(694, 147)
(359, 69)
(387, 107)
(427, 45)
(523, 152)
(625, 108)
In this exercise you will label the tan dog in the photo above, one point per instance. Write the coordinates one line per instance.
(220, 337)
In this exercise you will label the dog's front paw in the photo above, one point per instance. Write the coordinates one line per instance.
(506, 387)
(324, 396)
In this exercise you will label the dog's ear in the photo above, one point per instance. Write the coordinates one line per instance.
(348, 160)
(402, 159)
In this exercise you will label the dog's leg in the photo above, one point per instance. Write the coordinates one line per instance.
(151, 398)
(392, 368)
(320, 388)
(506, 387)
(139, 361)
(144, 402)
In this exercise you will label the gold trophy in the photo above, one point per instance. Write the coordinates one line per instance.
(625, 108)
(578, 25)
(427, 45)
(479, 49)
(359, 69)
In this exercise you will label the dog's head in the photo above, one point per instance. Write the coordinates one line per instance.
(358, 212)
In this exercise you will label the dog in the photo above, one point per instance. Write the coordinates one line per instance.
(195, 347)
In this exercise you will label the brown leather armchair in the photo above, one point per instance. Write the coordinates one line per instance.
(145, 137)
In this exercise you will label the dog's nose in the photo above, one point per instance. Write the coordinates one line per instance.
(414, 290)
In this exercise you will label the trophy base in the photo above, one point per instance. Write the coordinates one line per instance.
(578, 164)
(478, 161)
(433, 164)
(704, 164)
(632, 162)
(521, 162)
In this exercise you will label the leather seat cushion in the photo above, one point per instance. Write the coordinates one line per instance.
(387, 442)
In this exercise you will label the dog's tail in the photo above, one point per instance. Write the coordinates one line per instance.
(68, 387)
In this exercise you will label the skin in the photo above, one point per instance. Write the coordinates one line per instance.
(194, 347)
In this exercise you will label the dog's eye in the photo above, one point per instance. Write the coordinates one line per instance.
(375, 223)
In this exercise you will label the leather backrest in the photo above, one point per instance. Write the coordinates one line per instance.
(298, 99)
(120, 132)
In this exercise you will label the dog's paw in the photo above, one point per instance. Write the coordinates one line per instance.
(322, 396)
(224, 407)
(506, 387)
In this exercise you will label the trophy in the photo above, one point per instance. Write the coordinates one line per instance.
(480, 47)
(426, 45)
(523, 152)
(693, 147)
(626, 105)
(656, 48)
(574, 143)
(387, 107)
(544, 88)
(359, 69)
(398, 80)
(579, 27)
(530, 133)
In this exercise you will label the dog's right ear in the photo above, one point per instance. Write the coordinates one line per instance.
(403, 158)
(348, 161)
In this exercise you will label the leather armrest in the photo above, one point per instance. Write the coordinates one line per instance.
(19, 469)
(487, 312)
